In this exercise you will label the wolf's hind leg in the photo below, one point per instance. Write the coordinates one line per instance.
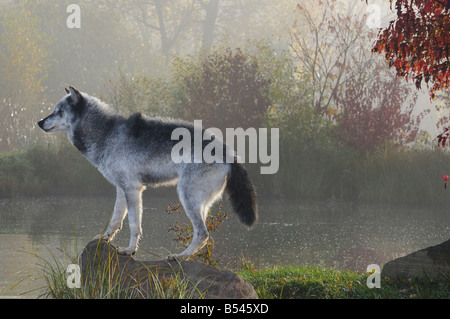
(192, 200)
(134, 205)
(116, 221)
(201, 234)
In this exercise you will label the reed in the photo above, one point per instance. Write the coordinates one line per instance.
(390, 175)
(108, 282)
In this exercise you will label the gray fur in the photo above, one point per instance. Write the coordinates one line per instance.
(135, 152)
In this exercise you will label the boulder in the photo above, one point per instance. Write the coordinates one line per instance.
(100, 262)
(429, 262)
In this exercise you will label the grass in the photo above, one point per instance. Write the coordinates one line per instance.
(108, 282)
(391, 175)
(277, 282)
(307, 282)
(43, 170)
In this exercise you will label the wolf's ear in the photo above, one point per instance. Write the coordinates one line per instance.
(67, 90)
(75, 94)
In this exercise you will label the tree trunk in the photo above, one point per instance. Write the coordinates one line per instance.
(212, 10)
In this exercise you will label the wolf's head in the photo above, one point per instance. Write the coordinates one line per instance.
(65, 112)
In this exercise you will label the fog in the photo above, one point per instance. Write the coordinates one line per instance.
(147, 55)
(357, 149)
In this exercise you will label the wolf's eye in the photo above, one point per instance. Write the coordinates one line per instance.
(60, 112)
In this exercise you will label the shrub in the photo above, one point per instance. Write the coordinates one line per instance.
(224, 89)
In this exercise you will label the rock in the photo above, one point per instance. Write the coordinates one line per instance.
(100, 262)
(431, 261)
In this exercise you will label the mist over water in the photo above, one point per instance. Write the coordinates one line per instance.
(328, 234)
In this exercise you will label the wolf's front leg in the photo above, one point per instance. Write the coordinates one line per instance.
(115, 223)
(134, 205)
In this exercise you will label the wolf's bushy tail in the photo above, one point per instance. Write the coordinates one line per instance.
(241, 194)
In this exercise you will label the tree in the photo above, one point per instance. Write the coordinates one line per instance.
(374, 111)
(331, 49)
(172, 27)
(211, 9)
(168, 40)
(224, 89)
(417, 43)
(24, 67)
(442, 109)
(328, 49)
(349, 84)
(24, 53)
(172, 20)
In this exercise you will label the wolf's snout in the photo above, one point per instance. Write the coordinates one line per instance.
(41, 124)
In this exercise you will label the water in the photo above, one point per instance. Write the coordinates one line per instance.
(343, 236)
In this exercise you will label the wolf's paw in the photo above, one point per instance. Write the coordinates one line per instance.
(107, 236)
(177, 257)
(129, 251)
(103, 236)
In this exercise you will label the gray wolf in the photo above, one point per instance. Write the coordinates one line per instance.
(135, 152)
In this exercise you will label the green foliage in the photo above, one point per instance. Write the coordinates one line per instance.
(388, 175)
(317, 175)
(152, 96)
(24, 52)
(56, 170)
(308, 282)
(16, 174)
(410, 176)
(291, 97)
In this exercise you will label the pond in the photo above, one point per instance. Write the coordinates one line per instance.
(331, 234)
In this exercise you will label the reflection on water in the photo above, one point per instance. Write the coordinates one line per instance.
(343, 236)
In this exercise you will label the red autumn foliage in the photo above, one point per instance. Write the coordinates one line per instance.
(443, 137)
(228, 91)
(371, 113)
(417, 43)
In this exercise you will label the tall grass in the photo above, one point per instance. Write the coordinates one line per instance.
(110, 282)
(390, 175)
(50, 170)
(409, 176)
